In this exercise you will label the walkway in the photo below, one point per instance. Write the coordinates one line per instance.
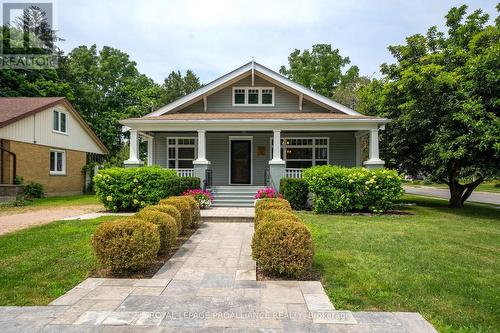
(481, 197)
(209, 285)
(17, 221)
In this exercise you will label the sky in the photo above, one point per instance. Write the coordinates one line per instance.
(215, 37)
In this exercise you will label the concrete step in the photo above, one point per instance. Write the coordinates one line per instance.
(226, 219)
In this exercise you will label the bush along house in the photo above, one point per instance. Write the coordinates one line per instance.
(250, 128)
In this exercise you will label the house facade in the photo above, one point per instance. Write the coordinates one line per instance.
(45, 140)
(252, 127)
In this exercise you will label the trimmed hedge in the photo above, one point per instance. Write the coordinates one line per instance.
(195, 209)
(184, 208)
(275, 215)
(167, 227)
(339, 189)
(169, 210)
(283, 247)
(270, 203)
(295, 191)
(188, 183)
(121, 189)
(126, 245)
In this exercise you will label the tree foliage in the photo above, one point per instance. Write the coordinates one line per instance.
(442, 95)
(176, 86)
(322, 69)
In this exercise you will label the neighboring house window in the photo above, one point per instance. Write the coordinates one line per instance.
(60, 122)
(181, 152)
(253, 96)
(57, 162)
(304, 152)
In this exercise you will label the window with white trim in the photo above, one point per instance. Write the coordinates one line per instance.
(57, 162)
(253, 96)
(304, 152)
(59, 122)
(181, 152)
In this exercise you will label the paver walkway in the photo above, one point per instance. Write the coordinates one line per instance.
(17, 221)
(207, 286)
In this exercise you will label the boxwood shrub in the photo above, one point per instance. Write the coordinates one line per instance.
(183, 207)
(126, 245)
(169, 210)
(121, 189)
(295, 191)
(339, 189)
(167, 227)
(274, 215)
(283, 247)
(195, 209)
(270, 203)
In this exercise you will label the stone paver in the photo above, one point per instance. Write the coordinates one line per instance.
(209, 285)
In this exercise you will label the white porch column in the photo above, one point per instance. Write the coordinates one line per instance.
(150, 151)
(374, 162)
(133, 160)
(276, 166)
(201, 164)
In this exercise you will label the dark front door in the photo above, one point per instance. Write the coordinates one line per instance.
(241, 161)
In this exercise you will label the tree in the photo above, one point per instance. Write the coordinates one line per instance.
(347, 93)
(443, 97)
(176, 86)
(108, 87)
(321, 69)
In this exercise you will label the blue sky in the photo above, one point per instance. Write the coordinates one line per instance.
(214, 37)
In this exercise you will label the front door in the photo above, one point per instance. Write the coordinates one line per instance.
(241, 161)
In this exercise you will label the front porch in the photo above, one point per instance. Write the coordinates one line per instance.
(253, 158)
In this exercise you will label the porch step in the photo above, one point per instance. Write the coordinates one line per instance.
(234, 196)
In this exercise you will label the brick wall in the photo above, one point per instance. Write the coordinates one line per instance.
(33, 164)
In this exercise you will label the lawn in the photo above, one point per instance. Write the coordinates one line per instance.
(42, 263)
(49, 202)
(441, 262)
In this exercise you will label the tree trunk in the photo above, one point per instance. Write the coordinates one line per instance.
(460, 193)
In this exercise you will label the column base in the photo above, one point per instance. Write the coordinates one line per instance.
(133, 164)
(199, 170)
(374, 163)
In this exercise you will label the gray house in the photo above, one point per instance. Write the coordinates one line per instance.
(248, 129)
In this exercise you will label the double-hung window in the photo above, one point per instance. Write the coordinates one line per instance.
(253, 96)
(59, 122)
(181, 152)
(57, 162)
(303, 153)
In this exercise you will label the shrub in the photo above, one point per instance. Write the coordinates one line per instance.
(283, 247)
(18, 180)
(264, 204)
(169, 210)
(167, 227)
(203, 197)
(121, 189)
(295, 191)
(267, 192)
(338, 189)
(195, 209)
(274, 215)
(33, 190)
(184, 208)
(188, 183)
(126, 245)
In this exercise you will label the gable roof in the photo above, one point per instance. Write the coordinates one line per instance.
(242, 71)
(13, 109)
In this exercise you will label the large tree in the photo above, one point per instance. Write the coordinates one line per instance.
(443, 96)
(176, 85)
(322, 69)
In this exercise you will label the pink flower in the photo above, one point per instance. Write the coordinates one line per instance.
(267, 192)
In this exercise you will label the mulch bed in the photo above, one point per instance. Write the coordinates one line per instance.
(160, 260)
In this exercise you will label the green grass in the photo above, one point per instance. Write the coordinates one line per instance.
(441, 262)
(42, 263)
(74, 200)
(484, 187)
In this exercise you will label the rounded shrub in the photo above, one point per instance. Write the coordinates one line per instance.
(167, 227)
(169, 210)
(283, 247)
(126, 245)
(275, 215)
(295, 191)
(183, 207)
(266, 204)
(195, 209)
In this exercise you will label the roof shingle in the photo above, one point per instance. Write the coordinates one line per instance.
(254, 115)
(16, 108)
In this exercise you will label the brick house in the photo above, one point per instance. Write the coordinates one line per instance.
(45, 140)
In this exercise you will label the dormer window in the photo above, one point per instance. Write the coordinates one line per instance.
(253, 96)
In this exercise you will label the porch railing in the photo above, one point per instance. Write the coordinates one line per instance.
(185, 172)
(293, 173)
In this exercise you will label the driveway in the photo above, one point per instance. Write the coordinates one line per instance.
(17, 221)
(481, 197)
(209, 285)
